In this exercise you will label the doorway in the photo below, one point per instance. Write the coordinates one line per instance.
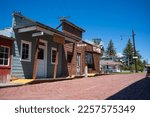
(78, 64)
(42, 60)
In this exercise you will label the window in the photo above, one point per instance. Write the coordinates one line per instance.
(4, 56)
(69, 57)
(53, 55)
(41, 53)
(25, 51)
(89, 60)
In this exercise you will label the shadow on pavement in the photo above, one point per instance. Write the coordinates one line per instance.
(139, 90)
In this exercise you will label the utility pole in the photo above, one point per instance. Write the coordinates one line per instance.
(133, 35)
(97, 41)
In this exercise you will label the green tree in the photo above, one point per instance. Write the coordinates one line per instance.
(128, 52)
(145, 62)
(140, 65)
(110, 51)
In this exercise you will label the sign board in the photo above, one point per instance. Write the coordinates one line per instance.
(81, 45)
(37, 34)
(135, 57)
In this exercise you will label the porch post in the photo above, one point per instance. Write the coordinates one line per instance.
(56, 62)
(35, 59)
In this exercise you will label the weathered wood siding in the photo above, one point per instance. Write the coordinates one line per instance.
(71, 30)
(68, 47)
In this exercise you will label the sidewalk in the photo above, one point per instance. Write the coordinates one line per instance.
(21, 82)
(4, 85)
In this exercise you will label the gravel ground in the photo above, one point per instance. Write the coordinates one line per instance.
(121, 86)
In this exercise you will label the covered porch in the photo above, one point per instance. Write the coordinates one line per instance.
(40, 52)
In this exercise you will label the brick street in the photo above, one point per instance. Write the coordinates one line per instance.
(121, 86)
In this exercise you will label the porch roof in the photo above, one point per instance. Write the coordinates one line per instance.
(91, 48)
(39, 27)
(148, 65)
(5, 37)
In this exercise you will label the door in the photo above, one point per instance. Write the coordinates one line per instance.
(42, 62)
(78, 63)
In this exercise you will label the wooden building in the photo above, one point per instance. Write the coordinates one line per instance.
(5, 58)
(78, 53)
(40, 51)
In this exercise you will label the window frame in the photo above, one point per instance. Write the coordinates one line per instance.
(55, 49)
(89, 60)
(8, 56)
(30, 46)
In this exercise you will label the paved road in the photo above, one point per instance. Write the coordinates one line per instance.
(101, 87)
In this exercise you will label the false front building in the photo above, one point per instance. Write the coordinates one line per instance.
(40, 51)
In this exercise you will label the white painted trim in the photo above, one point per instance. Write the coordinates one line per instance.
(52, 48)
(8, 55)
(37, 34)
(30, 47)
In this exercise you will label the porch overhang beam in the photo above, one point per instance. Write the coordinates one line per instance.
(46, 31)
(35, 28)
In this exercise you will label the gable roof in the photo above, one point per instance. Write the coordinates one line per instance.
(5, 37)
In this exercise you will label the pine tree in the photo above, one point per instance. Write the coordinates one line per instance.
(128, 52)
(110, 49)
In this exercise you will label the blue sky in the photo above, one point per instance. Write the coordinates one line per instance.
(106, 19)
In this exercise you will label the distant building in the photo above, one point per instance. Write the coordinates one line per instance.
(111, 64)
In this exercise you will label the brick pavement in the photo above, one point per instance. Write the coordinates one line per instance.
(100, 87)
